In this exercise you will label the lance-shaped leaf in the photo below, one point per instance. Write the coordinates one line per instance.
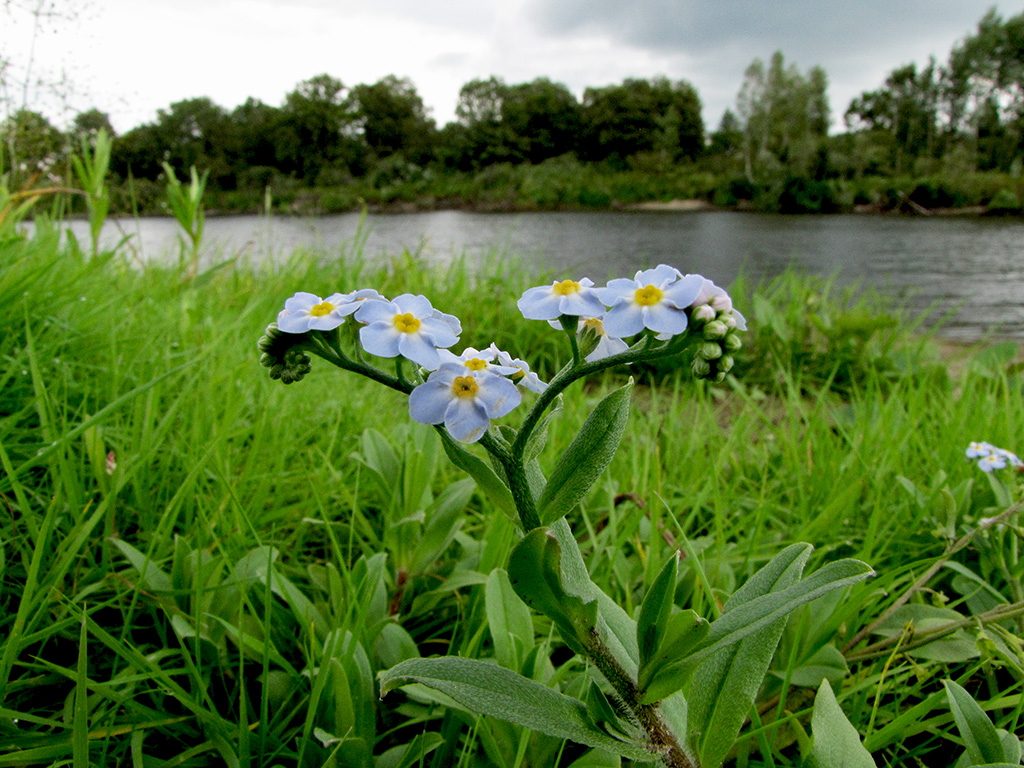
(982, 739)
(535, 571)
(491, 690)
(836, 742)
(665, 637)
(485, 477)
(587, 457)
(731, 665)
(667, 671)
(655, 610)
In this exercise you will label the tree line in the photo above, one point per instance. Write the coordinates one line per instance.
(951, 119)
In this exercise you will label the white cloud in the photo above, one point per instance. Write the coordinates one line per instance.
(132, 57)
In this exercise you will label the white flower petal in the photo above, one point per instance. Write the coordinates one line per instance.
(429, 401)
(498, 395)
(466, 420)
(662, 318)
(624, 319)
(376, 312)
(540, 304)
(380, 339)
(418, 348)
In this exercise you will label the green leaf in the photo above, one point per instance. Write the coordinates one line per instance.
(953, 648)
(980, 736)
(587, 457)
(655, 610)
(443, 519)
(827, 663)
(485, 477)
(836, 742)
(752, 616)
(508, 619)
(150, 575)
(535, 572)
(668, 671)
(724, 686)
(491, 690)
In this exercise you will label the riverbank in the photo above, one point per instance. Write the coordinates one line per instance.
(188, 540)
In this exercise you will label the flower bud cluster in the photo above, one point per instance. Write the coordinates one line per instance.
(282, 353)
(713, 316)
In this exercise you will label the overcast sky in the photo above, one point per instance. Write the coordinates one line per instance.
(132, 57)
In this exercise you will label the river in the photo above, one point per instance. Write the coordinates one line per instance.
(966, 272)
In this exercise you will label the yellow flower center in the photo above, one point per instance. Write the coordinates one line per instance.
(565, 287)
(407, 323)
(476, 364)
(465, 386)
(648, 296)
(595, 325)
(321, 309)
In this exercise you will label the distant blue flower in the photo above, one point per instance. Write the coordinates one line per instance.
(655, 298)
(406, 326)
(990, 457)
(979, 450)
(520, 371)
(568, 297)
(465, 401)
(991, 462)
(308, 312)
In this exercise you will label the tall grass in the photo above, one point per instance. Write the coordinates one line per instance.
(199, 566)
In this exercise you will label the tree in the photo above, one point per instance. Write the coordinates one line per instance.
(785, 118)
(393, 120)
(195, 133)
(87, 124)
(542, 120)
(317, 130)
(637, 116)
(32, 146)
(905, 108)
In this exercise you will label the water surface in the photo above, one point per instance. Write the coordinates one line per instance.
(971, 267)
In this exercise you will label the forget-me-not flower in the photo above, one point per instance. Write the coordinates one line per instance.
(520, 371)
(308, 312)
(990, 457)
(568, 297)
(408, 326)
(655, 298)
(464, 400)
(477, 360)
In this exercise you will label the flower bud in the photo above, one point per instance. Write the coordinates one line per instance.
(721, 303)
(725, 363)
(589, 335)
(715, 330)
(702, 314)
(701, 368)
(733, 343)
(283, 355)
(710, 351)
(729, 320)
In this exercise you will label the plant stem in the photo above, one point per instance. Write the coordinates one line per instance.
(648, 715)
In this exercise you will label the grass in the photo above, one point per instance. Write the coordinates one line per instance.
(200, 566)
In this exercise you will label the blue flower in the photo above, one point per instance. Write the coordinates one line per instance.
(519, 371)
(308, 312)
(478, 360)
(568, 297)
(655, 298)
(406, 326)
(464, 400)
(990, 457)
